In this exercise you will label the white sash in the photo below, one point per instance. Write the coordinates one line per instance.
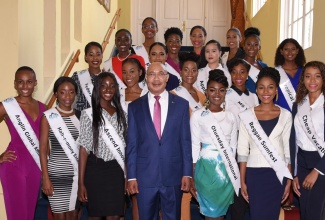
(86, 84)
(122, 97)
(112, 140)
(263, 143)
(171, 70)
(182, 92)
(253, 72)
(141, 51)
(308, 127)
(233, 95)
(224, 58)
(286, 87)
(64, 136)
(110, 69)
(23, 128)
(223, 147)
(202, 79)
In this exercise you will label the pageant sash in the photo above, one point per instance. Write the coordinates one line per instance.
(253, 73)
(110, 69)
(223, 147)
(141, 51)
(171, 70)
(233, 95)
(23, 128)
(112, 140)
(182, 92)
(263, 143)
(308, 127)
(63, 135)
(286, 87)
(202, 79)
(86, 84)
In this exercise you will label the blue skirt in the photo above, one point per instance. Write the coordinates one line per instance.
(264, 193)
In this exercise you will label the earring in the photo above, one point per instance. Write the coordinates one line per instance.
(207, 102)
(224, 106)
(276, 96)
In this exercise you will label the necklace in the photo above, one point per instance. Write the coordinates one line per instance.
(63, 111)
(118, 57)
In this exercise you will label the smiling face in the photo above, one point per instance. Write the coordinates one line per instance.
(156, 78)
(212, 53)
(239, 76)
(189, 72)
(197, 38)
(65, 95)
(94, 57)
(289, 51)
(25, 82)
(157, 54)
(233, 39)
(313, 80)
(216, 93)
(252, 46)
(131, 74)
(123, 41)
(107, 90)
(149, 28)
(266, 90)
(173, 43)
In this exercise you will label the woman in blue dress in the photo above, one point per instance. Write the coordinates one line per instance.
(289, 61)
(215, 191)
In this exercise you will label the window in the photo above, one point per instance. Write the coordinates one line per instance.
(257, 5)
(297, 21)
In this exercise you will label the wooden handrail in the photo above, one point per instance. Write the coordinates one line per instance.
(111, 28)
(74, 60)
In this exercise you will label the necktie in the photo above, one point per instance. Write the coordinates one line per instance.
(157, 116)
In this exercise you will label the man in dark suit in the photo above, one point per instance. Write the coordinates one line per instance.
(159, 155)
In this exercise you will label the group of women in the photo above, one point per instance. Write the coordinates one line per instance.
(254, 128)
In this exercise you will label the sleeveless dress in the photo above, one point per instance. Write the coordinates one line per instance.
(61, 173)
(21, 178)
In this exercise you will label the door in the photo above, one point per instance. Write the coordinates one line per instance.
(214, 15)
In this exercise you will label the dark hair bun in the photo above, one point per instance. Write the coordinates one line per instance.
(186, 56)
(271, 73)
(218, 75)
(252, 31)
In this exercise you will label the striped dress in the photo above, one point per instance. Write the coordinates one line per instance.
(62, 176)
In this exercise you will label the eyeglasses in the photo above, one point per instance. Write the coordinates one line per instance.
(154, 75)
(151, 26)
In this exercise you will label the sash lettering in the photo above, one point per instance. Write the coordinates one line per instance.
(182, 92)
(263, 143)
(23, 128)
(308, 127)
(86, 84)
(286, 87)
(233, 96)
(223, 147)
(112, 140)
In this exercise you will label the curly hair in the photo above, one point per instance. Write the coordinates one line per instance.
(302, 91)
(173, 30)
(98, 118)
(269, 72)
(300, 59)
(218, 76)
(235, 62)
(188, 56)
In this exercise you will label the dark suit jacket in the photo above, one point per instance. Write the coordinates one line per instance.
(155, 162)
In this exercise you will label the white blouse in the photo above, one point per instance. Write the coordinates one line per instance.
(200, 132)
(248, 151)
(317, 117)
